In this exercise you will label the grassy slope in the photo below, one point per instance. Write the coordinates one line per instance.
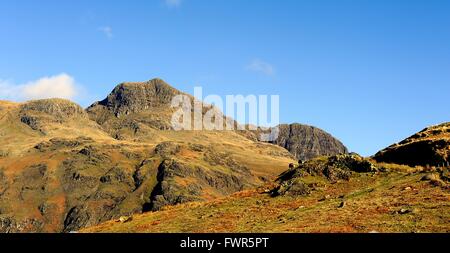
(372, 204)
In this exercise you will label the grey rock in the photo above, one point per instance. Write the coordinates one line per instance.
(308, 142)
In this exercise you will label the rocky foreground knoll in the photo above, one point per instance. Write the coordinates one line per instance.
(429, 147)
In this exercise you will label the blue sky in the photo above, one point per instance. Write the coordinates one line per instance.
(369, 72)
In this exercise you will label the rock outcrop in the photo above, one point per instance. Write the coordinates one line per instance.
(169, 192)
(311, 175)
(430, 146)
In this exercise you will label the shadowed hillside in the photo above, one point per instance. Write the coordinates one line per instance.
(430, 146)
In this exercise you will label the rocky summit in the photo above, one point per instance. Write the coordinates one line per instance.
(127, 98)
(135, 109)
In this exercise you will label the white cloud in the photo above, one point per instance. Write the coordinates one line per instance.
(260, 66)
(173, 3)
(59, 86)
(107, 30)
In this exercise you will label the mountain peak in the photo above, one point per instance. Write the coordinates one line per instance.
(155, 82)
(133, 97)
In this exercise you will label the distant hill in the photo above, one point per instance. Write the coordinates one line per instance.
(302, 141)
(308, 142)
(430, 146)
